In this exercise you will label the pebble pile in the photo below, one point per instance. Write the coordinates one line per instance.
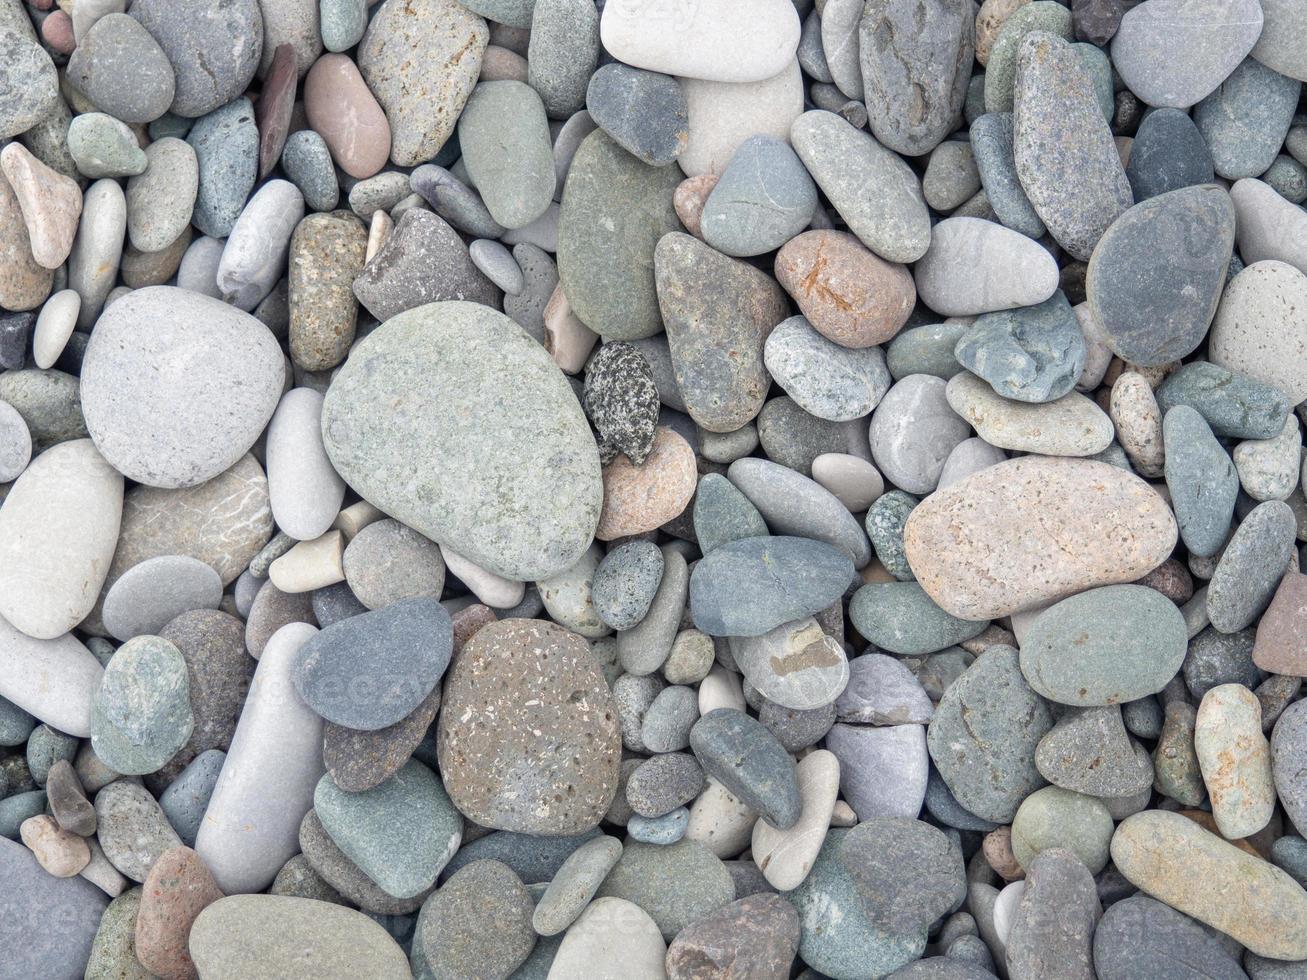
(653, 489)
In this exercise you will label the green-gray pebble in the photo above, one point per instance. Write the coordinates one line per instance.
(901, 618)
(103, 146)
(1201, 479)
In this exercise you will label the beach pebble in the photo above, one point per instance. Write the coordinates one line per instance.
(763, 199)
(122, 70)
(975, 266)
(795, 665)
(1245, 119)
(226, 145)
(1250, 567)
(883, 769)
(913, 431)
(149, 596)
(723, 115)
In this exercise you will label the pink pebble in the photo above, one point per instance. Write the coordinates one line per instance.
(57, 31)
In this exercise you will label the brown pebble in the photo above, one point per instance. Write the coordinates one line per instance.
(499, 64)
(72, 810)
(57, 32)
(346, 115)
(849, 294)
(1281, 644)
(997, 846)
(51, 204)
(642, 498)
(993, 14)
(326, 252)
(61, 852)
(1171, 579)
(689, 199)
(178, 888)
(276, 104)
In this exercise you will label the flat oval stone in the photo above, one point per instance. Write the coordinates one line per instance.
(463, 358)
(49, 953)
(1216, 883)
(1242, 121)
(983, 570)
(226, 145)
(131, 828)
(58, 529)
(1066, 158)
(615, 209)
(884, 769)
(588, 945)
(1251, 566)
(504, 136)
(122, 70)
(984, 733)
(749, 586)
(380, 829)
(479, 922)
(625, 583)
(57, 681)
(1069, 426)
(1176, 52)
(1053, 817)
(1268, 226)
(1141, 936)
(1201, 479)
(421, 61)
(912, 432)
(901, 618)
(178, 431)
(746, 759)
(676, 884)
(304, 491)
(1169, 153)
(369, 671)
(644, 111)
(786, 856)
(848, 294)
(976, 266)
(1260, 329)
(763, 199)
(497, 770)
(1041, 940)
(1034, 354)
(795, 665)
(892, 220)
(291, 937)
(214, 50)
(1148, 314)
(160, 200)
(991, 139)
(883, 691)
(826, 379)
(738, 41)
(152, 594)
(792, 504)
(916, 63)
(718, 357)
(1233, 404)
(1105, 646)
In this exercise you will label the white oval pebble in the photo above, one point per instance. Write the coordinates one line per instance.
(255, 254)
(152, 594)
(498, 265)
(310, 565)
(54, 325)
(98, 248)
(305, 490)
(786, 856)
(53, 680)
(854, 481)
(494, 590)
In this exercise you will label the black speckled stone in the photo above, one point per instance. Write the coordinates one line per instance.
(621, 401)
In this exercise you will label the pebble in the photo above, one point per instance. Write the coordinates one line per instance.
(161, 200)
(989, 775)
(1168, 154)
(1234, 404)
(718, 360)
(913, 431)
(50, 202)
(178, 888)
(1053, 928)
(859, 946)
(24, 284)
(58, 529)
(54, 327)
(756, 936)
(991, 137)
(1220, 658)
(1251, 566)
(643, 111)
(142, 712)
(1260, 327)
(68, 803)
(825, 378)
(926, 350)
(1143, 849)
(747, 760)
(478, 922)
(1281, 644)
(740, 42)
(908, 872)
(676, 884)
(567, 596)
(504, 136)
(306, 159)
(625, 583)
(132, 830)
(49, 953)
(641, 498)
(572, 888)
(893, 222)
(1142, 936)
(213, 53)
(29, 86)
(149, 436)
(611, 938)
(562, 53)
(304, 491)
(848, 294)
(1235, 760)
(763, 199)
(1202, 43)
(796, 665)
(477, 354)
(1089, 751)
(729, 598)
(723, 115)
(1160, 316)
(61, 853)
(1201, 479)
(621, 399)
(103, 146)
(883, 770)
(291, 937)
(1001, 66)
(1066, 159)
(663, 783)
(122, 70)
(187, 797)
(975, 266)
(1068, 426)
(901, 618)
(256, 248)
(149, 596)
(251, 825)
(792, 504)
(226, 145)
(723, 514)
(1244, 121)
(854, 481)
(1035, 354)
(483, 686)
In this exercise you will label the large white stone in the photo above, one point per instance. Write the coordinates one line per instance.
(58, 529)
(722, 115)
(1267, 226)
(53, 680)
(251, 827)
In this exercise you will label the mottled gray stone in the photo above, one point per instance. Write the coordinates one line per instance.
(742, 755)
(226, 145)
(214, 48)
(912, 432)
(1032, 354)
(1089, 751)
(763, 198)
(1201, 479)
(830, 381)
(1251, 567)
(122, 70)
(1244, 121)
(1168, 153)
(1233, 404)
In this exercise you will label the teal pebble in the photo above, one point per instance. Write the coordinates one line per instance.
(343, 23)
(901, 618)
(667, 829)
(886, 519)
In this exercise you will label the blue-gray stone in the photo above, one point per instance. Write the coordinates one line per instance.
(1168, 153)
(226, 145)
(742, 755)
(52, 921)
(983, 736)
(1031, 354)
(676, 883)
(886, 518)
(830, 381)
(454, 201)
(186, 799)
(342, 23)
(925, 350)
(991, 145)
(1234, 405)
(723, 514)
(667, 722)
(17, 808)
(659, 785)
(1201, 479)
(15, 724)
(1099, 69)
(763, 199)
(1089, 751)
(122, 70)
(534, 859)
(838, 937)
(142, 712)
(1244, 122)
(1142, 937)
(45, 747)
(625, 582)
(307, 162)
(750, 586)
(667, 829)
(1151, 308)
(901, 618)
(645, 112)
(944, 807)
(1251, 566)
(213, 46)
(910, 874)
(370, 671)
(335, 603)
(399, 833)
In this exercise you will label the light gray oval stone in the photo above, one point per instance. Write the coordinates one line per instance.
(829, 381)
(152, 594)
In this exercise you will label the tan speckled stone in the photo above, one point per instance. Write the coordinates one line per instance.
(1235, 759)
(60, 852)
(1034, 530)
(23, 283)
(529, 739)
(1133, 408)
(326, 252)
(990, 20)
(641, 498)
